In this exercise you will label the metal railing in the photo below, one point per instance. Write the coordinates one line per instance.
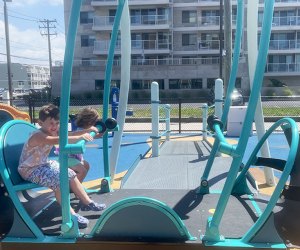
(186, 114)
(143, 45)
(107, 21)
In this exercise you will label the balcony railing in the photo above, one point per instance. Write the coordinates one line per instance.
(115, 2)
(209, 45)
(153, 62)
(149, 20)
(284, 44)
(282, 67)
(284, 21)
(142, 45)
(282, 1)
(104, 21)
(193, 1)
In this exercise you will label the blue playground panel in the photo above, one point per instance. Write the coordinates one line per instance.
(132, 146)
(278, 147)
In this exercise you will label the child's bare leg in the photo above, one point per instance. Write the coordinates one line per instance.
(78, 190)
(86, 165)
(80, 171)
(58, 199)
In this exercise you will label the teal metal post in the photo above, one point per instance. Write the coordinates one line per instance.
(68, 229)
(108, 73)
(212, 232)
(204, 189)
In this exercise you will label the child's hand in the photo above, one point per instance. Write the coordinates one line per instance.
(93, 129)
(87, 137)
(99, 135)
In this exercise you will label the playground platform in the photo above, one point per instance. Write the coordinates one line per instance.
(172, 178)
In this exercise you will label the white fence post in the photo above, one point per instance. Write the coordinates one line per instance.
(219, 98)
(168, 119)
(204, 120)
(155, 118)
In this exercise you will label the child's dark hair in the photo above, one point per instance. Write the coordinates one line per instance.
(49, 111)
(87, 117)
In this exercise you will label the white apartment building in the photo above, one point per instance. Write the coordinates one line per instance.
(176, 43)
(25, 76)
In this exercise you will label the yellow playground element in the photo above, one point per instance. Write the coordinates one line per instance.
(8, 113)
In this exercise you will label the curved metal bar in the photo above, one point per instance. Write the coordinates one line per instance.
(284, 176)
(236, 56)
(124, 88)
(69, 230)
(232, 78)
(108, 73)
(212, 232)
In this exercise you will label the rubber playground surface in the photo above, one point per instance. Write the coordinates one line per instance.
(135, 144)
(132, 146)
(278, 147)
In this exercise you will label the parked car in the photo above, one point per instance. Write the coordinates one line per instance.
(237, 98)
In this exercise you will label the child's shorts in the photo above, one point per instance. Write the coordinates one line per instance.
(48, 175)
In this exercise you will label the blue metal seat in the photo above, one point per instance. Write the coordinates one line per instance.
(13, 135)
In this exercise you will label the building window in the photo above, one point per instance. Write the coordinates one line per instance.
(210, 17)
(86, 17)
(189, 16)
(87, 41)
(112, 14)
(211, 83)
(137, 84)
(99, 84)
(174, 84)
(146, 84)
(238, 83)
(189, 39)
(21, 84)
(196, 83)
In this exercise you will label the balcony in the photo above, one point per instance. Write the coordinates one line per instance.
(284, 21)
(153, 62)
(137, 22)
(284, 45)
(182, 3)
(203, 23)
(282, 1)
(282, 68)
(96, 3)
(137, 47)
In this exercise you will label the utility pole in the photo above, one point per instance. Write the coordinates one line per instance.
(227, 41)
(221, 40)
(48, 25)
(9, 75)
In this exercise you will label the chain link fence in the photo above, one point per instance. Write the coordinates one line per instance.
(186, 115)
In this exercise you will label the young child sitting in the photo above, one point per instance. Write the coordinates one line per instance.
(34, 165)
(85, 121)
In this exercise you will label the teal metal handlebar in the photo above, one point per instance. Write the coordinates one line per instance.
(224, 146)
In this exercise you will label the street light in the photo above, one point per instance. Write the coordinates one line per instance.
(9, 77)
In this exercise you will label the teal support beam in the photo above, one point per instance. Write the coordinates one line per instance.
(108, 73)
(69, 230)
(212, 232)
(204, 189)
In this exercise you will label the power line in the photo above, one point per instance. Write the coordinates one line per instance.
(35, 18)
(27, 58)
(3, 38)
(25, 19)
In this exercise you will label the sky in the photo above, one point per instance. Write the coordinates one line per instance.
(27, 45)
